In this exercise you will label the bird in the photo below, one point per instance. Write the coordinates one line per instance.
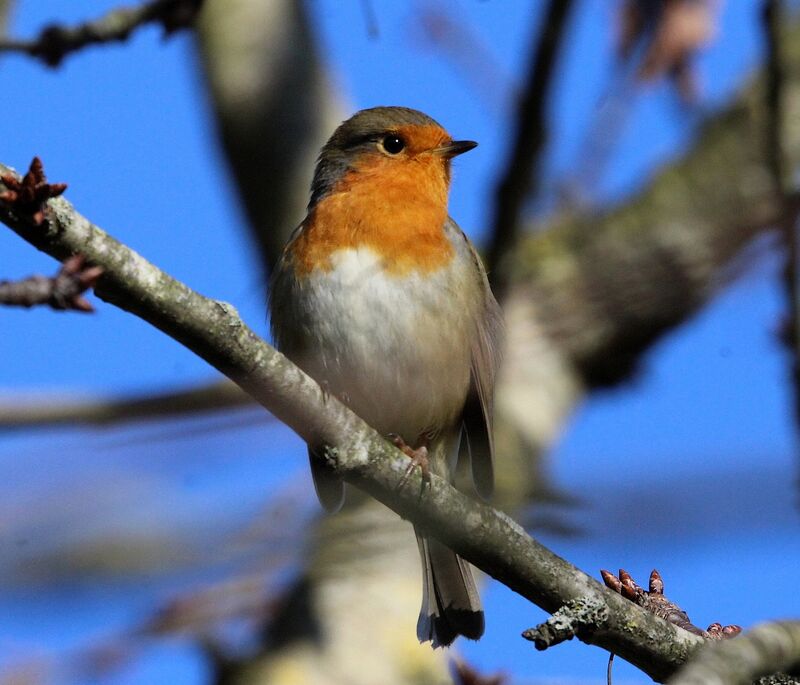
(382, 299)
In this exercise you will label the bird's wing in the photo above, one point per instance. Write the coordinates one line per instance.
(477, 417)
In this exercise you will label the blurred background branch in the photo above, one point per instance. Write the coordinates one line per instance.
(55, 42)
(520, 182)
(65, 410)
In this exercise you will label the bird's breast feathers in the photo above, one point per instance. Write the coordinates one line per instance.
(388, 337)
(402, 219)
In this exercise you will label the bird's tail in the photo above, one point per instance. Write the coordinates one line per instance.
(451, 605)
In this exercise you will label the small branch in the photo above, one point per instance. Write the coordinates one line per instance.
(484, 536)
(764, 650)
(51, 411)
(584, 615)
(55, 42)
(654, 601)
(64, 291)
(27, 195)
(521, 177)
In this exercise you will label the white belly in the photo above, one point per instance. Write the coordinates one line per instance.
(398, 347)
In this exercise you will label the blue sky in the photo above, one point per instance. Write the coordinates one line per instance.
(690, 468)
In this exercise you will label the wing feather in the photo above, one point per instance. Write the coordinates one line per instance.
(477, 416)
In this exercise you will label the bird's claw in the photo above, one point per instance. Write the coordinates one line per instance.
(418, 457)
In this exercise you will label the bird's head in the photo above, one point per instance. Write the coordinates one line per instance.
(395, 146)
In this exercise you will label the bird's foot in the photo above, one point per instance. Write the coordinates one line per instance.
(419, 458)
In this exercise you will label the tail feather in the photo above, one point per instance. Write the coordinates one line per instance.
(451, 605)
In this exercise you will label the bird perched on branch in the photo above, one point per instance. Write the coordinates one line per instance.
(381, 298)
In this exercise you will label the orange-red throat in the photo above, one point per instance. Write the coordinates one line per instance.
(393, 205)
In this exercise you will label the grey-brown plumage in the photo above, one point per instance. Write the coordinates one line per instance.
(411, 346)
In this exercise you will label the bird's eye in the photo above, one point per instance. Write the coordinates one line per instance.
(393, 144)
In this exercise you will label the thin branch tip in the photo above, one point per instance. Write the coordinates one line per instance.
(28, 196)
(578, 617)
(55, 42)
(62, 292)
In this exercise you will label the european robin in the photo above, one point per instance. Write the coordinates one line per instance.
(381, 298)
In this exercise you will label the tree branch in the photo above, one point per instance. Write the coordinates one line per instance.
(520, 179)
(764, 650)
(51, 411)
(62, 291)
(55, 42)
(484, 536)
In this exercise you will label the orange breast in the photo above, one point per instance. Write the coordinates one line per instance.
(397, 208)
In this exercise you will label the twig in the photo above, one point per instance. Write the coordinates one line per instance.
(55, 42)
(521, 177)
(60, 410)
(654, 601)
(27, 196)
(64, 291)
(578, 617)
(482, 535)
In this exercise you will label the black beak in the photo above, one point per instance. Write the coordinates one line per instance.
(455, 148)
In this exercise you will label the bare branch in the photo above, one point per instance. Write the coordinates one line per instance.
(520, 179)
(672, 32)
(50, 411)
(484, 536)
(55, 42)
(654, 601)
(61, 292)
(766, 649)
(27, 195)
(570, 620)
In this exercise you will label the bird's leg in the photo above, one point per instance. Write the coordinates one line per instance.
(418, 456)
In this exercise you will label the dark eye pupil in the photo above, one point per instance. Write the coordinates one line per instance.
(393, 144)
